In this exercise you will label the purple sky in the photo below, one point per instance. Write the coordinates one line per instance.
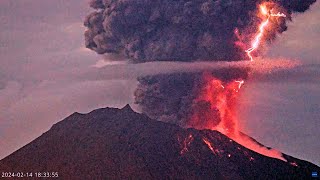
(42, 48)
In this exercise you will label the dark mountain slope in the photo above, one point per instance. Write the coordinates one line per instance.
(114, 143)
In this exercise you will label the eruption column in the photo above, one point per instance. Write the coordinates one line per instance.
(221, 98)
(184, 31)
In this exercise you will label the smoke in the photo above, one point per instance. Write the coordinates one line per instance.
(174, 97)
(167, 30)
(171, 30)
(162, 30)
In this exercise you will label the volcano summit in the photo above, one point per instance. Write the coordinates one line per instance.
(114, 143)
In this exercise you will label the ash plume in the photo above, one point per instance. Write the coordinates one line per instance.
(162, 30)
(167, 30)
(183, 30)
(173, 97)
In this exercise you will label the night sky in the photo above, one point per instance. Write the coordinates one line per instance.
(42, 52)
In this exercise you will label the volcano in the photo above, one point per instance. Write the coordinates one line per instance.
(111, 143)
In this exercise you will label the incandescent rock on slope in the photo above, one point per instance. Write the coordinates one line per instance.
(114, 143)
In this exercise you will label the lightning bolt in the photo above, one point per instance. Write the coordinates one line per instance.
(240, 83)
(256, 42)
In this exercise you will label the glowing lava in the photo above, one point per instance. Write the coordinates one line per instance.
(216, 102)
(210, 146)
(215, 109)
(186, 143)
(216, 105)
(294, 164)
(267, 14)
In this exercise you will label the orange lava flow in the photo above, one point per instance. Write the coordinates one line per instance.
(215, 109)
(257, 40)
(210, 146)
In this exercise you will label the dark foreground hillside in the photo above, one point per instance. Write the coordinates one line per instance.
(114, 143)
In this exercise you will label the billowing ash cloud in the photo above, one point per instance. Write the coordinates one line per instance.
(174, 97)
(184, 30)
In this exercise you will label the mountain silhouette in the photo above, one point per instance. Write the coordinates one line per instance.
(111, 143)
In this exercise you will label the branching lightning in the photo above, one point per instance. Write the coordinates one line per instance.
(257, 40)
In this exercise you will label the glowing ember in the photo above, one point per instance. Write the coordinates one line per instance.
(186, 143)
(257, 40)
(210, 146)
(294, 164)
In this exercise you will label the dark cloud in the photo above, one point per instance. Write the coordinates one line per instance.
(172, 97)
(163, 30)
(296, 5)
(149, 30)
